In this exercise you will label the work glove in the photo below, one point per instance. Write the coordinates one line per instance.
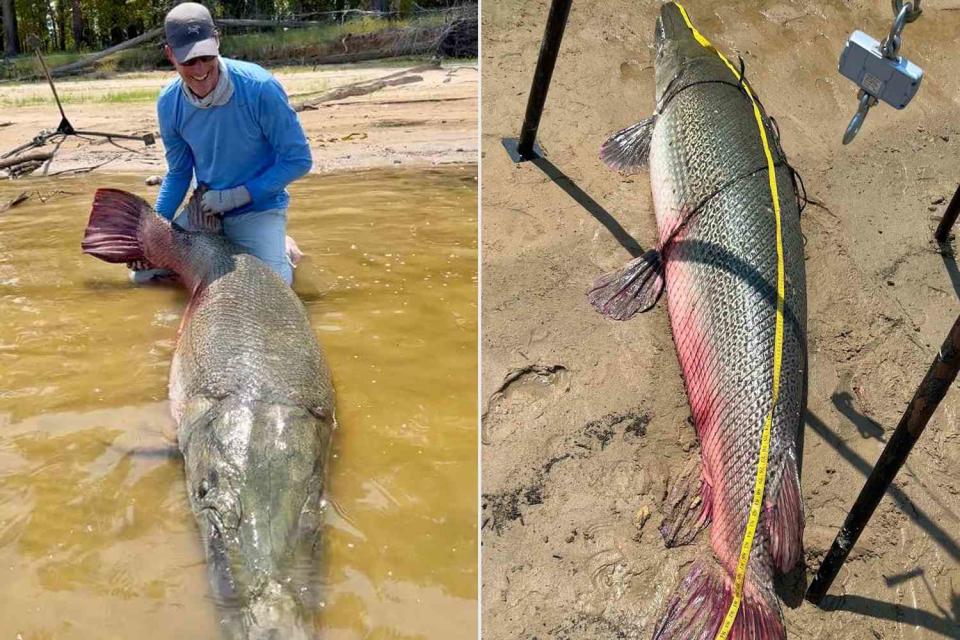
(139, 265)
(223, 200)
(205, 220)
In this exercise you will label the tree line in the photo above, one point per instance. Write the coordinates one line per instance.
(91, 25)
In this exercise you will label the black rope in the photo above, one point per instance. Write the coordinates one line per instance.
(743, 75)
(742, 85)
(704, 201)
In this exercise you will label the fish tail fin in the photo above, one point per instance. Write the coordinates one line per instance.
(632, 289)
(629, 149)
(698, 607)
(113, 232)
(784, 521)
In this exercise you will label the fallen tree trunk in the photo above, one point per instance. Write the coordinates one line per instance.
(364, 87)
(349, 92)
(244, 22)
(73, 67)
(36, 156)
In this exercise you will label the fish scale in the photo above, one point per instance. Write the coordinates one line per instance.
(259, 339)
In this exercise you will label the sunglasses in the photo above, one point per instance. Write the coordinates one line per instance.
(193, 61)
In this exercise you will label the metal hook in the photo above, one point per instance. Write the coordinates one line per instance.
(866, 101)
(891, 46)
(914, 11)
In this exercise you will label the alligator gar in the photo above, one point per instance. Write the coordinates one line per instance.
(251, 394)
(730, 258)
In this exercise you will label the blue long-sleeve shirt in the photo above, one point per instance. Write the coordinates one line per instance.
(254, 140)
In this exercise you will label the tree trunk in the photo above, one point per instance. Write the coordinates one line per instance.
(77, 24)
(54, 9)
(11, 44)
(88, 60)
(62, 25)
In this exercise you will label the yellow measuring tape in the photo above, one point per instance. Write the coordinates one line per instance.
(761, 479)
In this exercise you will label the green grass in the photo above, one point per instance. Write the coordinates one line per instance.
(66, 97)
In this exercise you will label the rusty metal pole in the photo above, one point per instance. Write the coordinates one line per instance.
(939, 377)
(949, 218)
(549, 48)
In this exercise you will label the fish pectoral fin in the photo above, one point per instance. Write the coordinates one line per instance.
(784, 520)
(687, 507)
(634, 288)
(628, 150)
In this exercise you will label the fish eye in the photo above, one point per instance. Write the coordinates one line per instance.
(203, 489)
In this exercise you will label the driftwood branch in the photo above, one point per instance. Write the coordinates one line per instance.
(14, 202)
(238, 22)
(364, 87)
(26, 195)
(79, 170)
(56, 147)
(36, 156)
(89, 60)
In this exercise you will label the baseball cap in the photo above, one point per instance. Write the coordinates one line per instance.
(190, 32)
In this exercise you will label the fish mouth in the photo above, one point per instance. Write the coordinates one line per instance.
(268, 611)
(671, 27)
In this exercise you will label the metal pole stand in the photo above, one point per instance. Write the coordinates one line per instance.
(66, 129)
(526, 148)
(949, 218)
(939, 377)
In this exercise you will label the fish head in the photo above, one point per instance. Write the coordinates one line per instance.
(255, 476)
(677, 47)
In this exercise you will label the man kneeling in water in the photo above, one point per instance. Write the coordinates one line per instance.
(229, 124)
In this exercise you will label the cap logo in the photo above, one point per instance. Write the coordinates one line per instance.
(193, 29)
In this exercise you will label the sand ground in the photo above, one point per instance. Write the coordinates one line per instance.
(425, 122)
(586, 420)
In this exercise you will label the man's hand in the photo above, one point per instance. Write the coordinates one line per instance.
(225, 199)
(205, 220)
(139, 265)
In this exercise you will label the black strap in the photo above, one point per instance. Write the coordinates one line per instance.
(741, 85)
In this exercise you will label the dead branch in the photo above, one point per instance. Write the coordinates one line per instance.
(364, 87)
(80, 170)
(12, 203)
(56, 147)
(36, 156)
(41, 196)
(89, 60)
(349, 92)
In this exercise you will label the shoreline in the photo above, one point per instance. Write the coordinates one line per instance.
(391, 126)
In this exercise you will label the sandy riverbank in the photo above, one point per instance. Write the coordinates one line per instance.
(427, 122)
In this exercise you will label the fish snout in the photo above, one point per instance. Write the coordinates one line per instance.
(671, 26)
(276, 614)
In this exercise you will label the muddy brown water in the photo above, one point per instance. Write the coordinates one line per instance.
(96, 537)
